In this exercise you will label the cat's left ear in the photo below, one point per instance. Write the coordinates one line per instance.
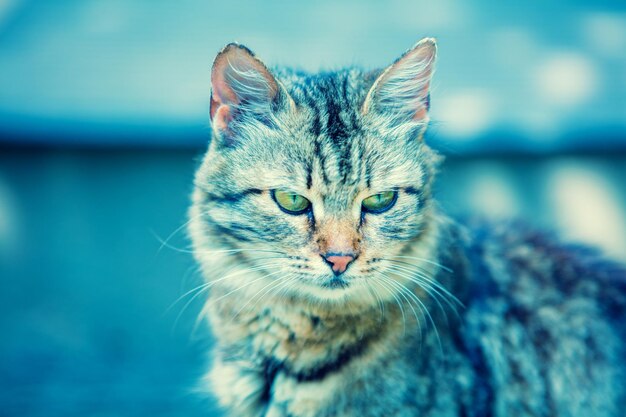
(402, 91)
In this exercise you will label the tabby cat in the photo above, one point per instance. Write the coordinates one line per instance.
(337, 287)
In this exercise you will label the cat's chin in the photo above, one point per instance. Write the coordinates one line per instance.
(336, 283)
(336, 290)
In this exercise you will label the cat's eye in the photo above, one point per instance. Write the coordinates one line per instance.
(380, 202)
(291, 203)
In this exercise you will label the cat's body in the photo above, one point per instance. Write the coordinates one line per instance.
(417, 315)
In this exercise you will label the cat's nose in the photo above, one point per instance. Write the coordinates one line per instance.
(338, 261)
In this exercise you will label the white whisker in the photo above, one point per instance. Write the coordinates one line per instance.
(205, 287)
(426, 287)
(402, 291)
(428, 315)
(415, 269)
(398, 302)
(428, 261)
(271, 286)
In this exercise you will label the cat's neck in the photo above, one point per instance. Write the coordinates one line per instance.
(310, 341)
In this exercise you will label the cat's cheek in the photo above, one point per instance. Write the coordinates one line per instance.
(299, 236)
(371, 231)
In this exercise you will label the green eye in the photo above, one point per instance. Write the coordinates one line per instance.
(290, 202)
(380, 202)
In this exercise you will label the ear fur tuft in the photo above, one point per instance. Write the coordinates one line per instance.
(402, 90)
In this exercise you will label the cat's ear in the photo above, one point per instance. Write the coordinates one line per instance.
(242, 86)
(402, 91)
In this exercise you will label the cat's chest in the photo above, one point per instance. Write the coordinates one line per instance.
(304, 364)
(310, 364)
(300, 344)
(290, 397)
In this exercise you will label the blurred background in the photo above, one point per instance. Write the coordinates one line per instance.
(103, 118)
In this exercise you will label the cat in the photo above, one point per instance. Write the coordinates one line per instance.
(338, 288)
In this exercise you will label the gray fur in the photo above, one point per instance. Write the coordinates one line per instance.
(435, 318)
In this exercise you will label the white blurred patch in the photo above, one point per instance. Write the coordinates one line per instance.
(490, 192)
(606, 33)
(465, 114)
(566, 79)
(586, 208)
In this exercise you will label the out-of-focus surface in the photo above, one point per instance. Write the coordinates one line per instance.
(103, 116)
(85, 288)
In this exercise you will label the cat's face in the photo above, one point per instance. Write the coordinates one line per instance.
(318, 183)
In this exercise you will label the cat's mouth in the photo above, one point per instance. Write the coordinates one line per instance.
(335, 283)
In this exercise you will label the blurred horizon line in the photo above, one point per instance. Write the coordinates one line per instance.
(26, 131)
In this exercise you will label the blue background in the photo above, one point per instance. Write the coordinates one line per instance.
(103, 119)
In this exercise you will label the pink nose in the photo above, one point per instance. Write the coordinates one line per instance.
(339, 263)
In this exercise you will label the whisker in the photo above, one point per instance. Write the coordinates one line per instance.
(272, 285)
(415, 269)
(398, 302)
(290, 280)
(379, 301)
(292, 283)
(209, 303)
(403, 289)
(210, 284)
(428, 315)
(171, 235)
(426, 287)
(212, 302)
(207, 286)
(221, 251)
(428, 261)
(422, 279)
(195, 269)
(247, 284)
(197, 288)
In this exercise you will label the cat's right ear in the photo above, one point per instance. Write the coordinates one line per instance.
(242, 87)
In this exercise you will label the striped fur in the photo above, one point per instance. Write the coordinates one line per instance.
(432, 318)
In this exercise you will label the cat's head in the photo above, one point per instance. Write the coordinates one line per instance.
(319, 183)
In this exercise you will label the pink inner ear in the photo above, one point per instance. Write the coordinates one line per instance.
(221, 94)
(222, 117)
(420, 114)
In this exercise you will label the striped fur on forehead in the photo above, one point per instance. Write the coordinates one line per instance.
(331, 102)
(346, 146)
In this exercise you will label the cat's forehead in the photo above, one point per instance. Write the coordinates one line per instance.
(333, 99)
(340, 169)
(324, 144)
(337, 143)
